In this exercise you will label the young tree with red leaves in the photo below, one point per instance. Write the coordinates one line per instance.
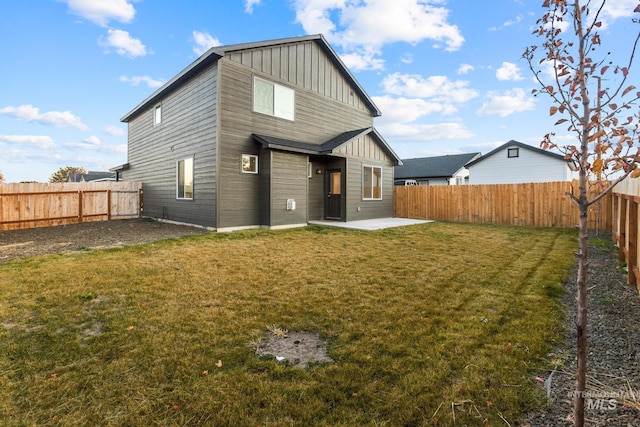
(605, 121)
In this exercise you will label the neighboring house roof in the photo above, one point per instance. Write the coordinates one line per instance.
(513, 143)
(327, 147)
(215, 53)
(91, 176)
(433, 167)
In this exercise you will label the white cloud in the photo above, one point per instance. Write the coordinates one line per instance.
(507, 103)
(40, 141)
(425, 132)
(250, 4)
(508, 23)
(434, 87)
(114, 130)
(364, 27)
(123, 44)
(362, 61)
(619, 9)
(508, 71)
(407, 58)
(465, 68)
(30, 113)
(406, 110)
(136, 80)
(204, 42)
(102, 11)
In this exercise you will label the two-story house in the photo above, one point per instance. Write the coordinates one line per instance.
(268, 134)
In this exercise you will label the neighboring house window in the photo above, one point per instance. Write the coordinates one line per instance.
(249, 163)
(513, 152)
(157, 115)
(184, 181)
(371, 183)
(273, 99)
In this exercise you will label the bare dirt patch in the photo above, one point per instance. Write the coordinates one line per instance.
(16, 244)
(297, 348)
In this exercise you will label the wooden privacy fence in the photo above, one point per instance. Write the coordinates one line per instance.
(543, 204)
(626, 202)
(39, 205)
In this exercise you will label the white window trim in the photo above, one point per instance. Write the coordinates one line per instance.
(381, 182)
(242, 164)
(178, 178)
(157, 118)
(275, 89)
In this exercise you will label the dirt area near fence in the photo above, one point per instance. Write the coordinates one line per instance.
(613, 335)
(85, 236)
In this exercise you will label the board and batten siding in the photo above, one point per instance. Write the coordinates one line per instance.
(188, 129)
(360, 153)
(303, 65)
(317, 119)
(529, 166)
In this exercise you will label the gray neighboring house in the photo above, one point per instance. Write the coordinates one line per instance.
(267, 134)
(438, 170)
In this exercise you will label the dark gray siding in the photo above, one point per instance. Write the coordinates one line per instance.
(365, 152)
(288, 181)
(188, 129)
(318, 118)
(315, 209)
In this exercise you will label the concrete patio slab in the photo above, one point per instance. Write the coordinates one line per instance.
(372, 224)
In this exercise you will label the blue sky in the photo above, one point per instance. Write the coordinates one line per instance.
(447, 74)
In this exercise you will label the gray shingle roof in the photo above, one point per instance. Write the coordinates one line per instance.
(326, 147)
(433, 167)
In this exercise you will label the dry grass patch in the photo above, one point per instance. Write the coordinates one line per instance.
(423, 324)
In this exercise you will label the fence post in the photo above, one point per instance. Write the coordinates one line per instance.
(108, 205)
(632, 242)
(140, 205)
(80, 199)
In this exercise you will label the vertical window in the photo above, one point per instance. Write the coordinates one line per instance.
(273, 99)
(513, 152)
(249, 163)
(371, 183)
(184, 179)
(157, 115)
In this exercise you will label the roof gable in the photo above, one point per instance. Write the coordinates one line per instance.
(433, 167)
(518, 144)
(215, 53)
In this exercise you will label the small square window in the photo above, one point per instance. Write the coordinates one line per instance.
(249, 163)
(157, 115)
(513, 152)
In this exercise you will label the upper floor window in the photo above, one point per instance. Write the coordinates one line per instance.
(371, 183)
(184, 179)
(273, 99)
(157, 114)
(513, 152)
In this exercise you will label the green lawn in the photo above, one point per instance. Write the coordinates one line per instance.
(435, 324)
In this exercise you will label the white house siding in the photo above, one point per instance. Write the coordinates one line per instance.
(529, 166)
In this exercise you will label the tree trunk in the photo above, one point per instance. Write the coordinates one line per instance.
(581, 321)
